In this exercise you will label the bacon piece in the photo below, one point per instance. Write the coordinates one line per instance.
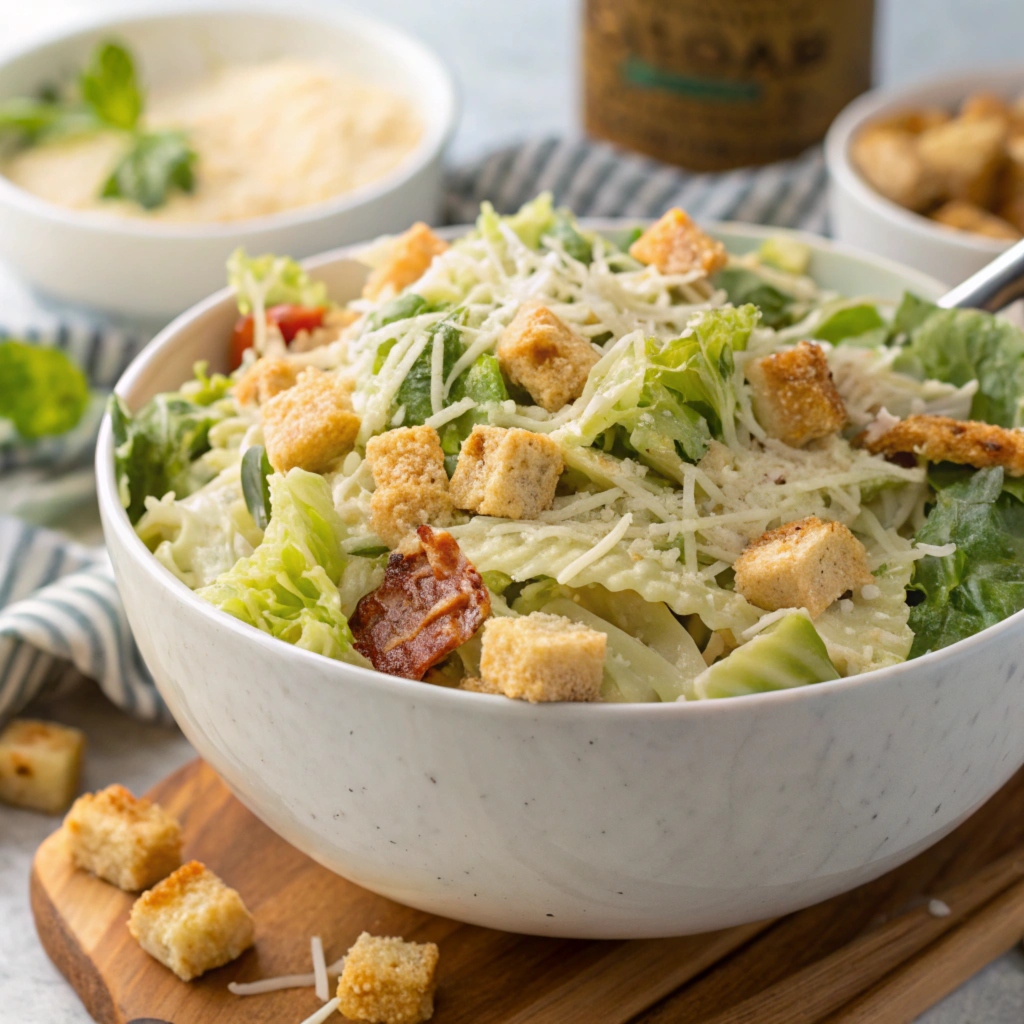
(431, 601)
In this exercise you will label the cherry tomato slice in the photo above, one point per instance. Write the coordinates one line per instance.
(289, 320)
(241, 339)
(292, 319)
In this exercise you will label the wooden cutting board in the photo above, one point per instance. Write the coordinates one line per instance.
(875, 955)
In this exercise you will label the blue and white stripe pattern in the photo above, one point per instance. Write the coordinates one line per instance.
(58, 600)
(596, 180)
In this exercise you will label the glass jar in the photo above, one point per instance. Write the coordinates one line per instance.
(714, 84)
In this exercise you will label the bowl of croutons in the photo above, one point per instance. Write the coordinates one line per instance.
(932, 175)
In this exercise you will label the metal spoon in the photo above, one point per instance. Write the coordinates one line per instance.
(992, 287)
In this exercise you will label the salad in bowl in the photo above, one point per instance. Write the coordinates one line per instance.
(550, 464)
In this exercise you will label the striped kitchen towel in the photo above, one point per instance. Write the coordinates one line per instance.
(597, 180)
(58, 601)
(60, 614)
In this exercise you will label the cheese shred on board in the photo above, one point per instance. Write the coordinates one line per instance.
(679, 467)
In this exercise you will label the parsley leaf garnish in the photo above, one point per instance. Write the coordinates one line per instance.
(110, 98)
(156, 163)
(110, 88)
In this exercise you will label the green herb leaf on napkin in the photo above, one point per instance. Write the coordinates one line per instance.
(42, 392)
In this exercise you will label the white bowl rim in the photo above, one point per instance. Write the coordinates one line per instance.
(117, 520)
(438, 129)
(871, 104)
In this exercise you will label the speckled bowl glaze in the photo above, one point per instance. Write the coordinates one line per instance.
(594, 821)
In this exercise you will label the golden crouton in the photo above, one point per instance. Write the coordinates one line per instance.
(264, 379)
(965, 157)
(130, 842)
(1011, 184)
(511, 473)
(889, 160)
(540, 657)
(968, 217)
(675, 245)
(409, 259)
(311, 424)
(941, 439)
(191, 922)
(794, 397)
(39, 764)
(388, 981)
(913, 121)
(545, 356)
(411, 486)
(473, 684)
(982, 106)
(805, 564)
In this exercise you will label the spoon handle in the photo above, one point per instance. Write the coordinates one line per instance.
(992, 287)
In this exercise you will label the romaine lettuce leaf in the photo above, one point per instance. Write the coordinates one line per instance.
(414, 391)
(786, 254)
(743, 286)
(531, 222)
(483, 383)
(154, 450)
(402, 307)
(630, 402)
(669, 399)
(42, 392)
(288, 587)
(661, 428)
(575, 242)
(982, 582)
(854, 324)
(788, 653)
(961, 345)
(700, 366)
(277, 280)
(911, 313)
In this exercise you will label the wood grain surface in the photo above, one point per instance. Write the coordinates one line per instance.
(875, 954)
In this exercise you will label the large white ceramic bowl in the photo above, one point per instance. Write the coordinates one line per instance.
(597, 821)
(865, 218)
(155, 270)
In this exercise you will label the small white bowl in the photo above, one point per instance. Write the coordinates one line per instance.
(589, 821)
(863, 217)
(152, 270)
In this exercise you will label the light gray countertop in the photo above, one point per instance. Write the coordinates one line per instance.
(516, 64)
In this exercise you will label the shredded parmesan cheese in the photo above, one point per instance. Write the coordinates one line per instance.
(319, 968)
(936, 550)
(285, 981)
(600, 549)
(767, 620)
(437, 373)
(325, 1012)
(453, 412)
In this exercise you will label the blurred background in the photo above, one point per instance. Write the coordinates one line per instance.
(517, 62)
